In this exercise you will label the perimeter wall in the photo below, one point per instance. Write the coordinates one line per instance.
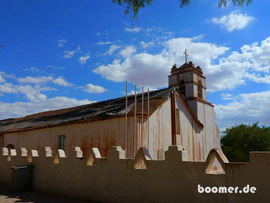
(117, 179)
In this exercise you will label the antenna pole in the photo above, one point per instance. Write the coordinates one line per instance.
(126, 133)
(148, 113)
(142, 118)
(135, 121)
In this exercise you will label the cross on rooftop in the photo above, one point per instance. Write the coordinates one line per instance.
(186, 55)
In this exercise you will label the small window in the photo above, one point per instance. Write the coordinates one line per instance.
(62, 142)
(177, 121)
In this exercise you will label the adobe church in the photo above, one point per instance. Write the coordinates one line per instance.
(177, 115)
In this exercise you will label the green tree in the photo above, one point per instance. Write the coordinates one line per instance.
(135, 5)
(242, 139)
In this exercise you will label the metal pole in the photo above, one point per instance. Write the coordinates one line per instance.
(135, 121)
(142, 119)
(173, 127)
(148, 112)
(126, 133)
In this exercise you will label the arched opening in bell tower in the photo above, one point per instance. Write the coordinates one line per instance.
(182, 88)
(200, 89)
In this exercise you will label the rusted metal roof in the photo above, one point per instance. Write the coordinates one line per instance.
(85, 113)
(91, 112)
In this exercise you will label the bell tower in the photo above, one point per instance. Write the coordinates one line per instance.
(190, 80)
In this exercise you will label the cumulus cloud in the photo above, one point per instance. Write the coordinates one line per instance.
(135, 29)
(17, 109)
(222, 72)
(62, 82)
(69, 54)
(248, 108)
(234, 21)
(112, 49)
(151, 70)
(95, 89)
(83, 59)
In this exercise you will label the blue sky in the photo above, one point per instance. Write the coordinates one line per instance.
(58, 54)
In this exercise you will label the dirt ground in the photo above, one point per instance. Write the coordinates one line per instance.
(37, 197)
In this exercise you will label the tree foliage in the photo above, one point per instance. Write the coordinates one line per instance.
(135, 5)
(242, 139)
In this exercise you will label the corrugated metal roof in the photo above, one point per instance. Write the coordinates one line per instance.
(94, 111)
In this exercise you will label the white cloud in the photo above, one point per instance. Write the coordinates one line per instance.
(251, 107)
(33, 90)
(45, 79)
(32, 93)
(8, 88)
(69, 54)
(222, 72)
(83, 59)
(147, 44)
(2, 79)
(258, 78)
(5, 75)
(34, 86)
(35, 80)
(17, 109)
(151, 70)
(229, 97)
(61, 42)
(226, 96)
(128, 51)
(135, 29)
(32, 69)
(62, 82)
(112, 49)
(234, 21)
(104, 43)
(56, 67)
(95, 89)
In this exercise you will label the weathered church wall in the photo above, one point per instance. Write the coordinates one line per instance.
(206, 115)
(190, 136)
(103, 134)
(116, 179)
(160, 131)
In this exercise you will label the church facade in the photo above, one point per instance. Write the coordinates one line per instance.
(177, 115)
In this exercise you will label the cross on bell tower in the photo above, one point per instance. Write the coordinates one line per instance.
(186, 55)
